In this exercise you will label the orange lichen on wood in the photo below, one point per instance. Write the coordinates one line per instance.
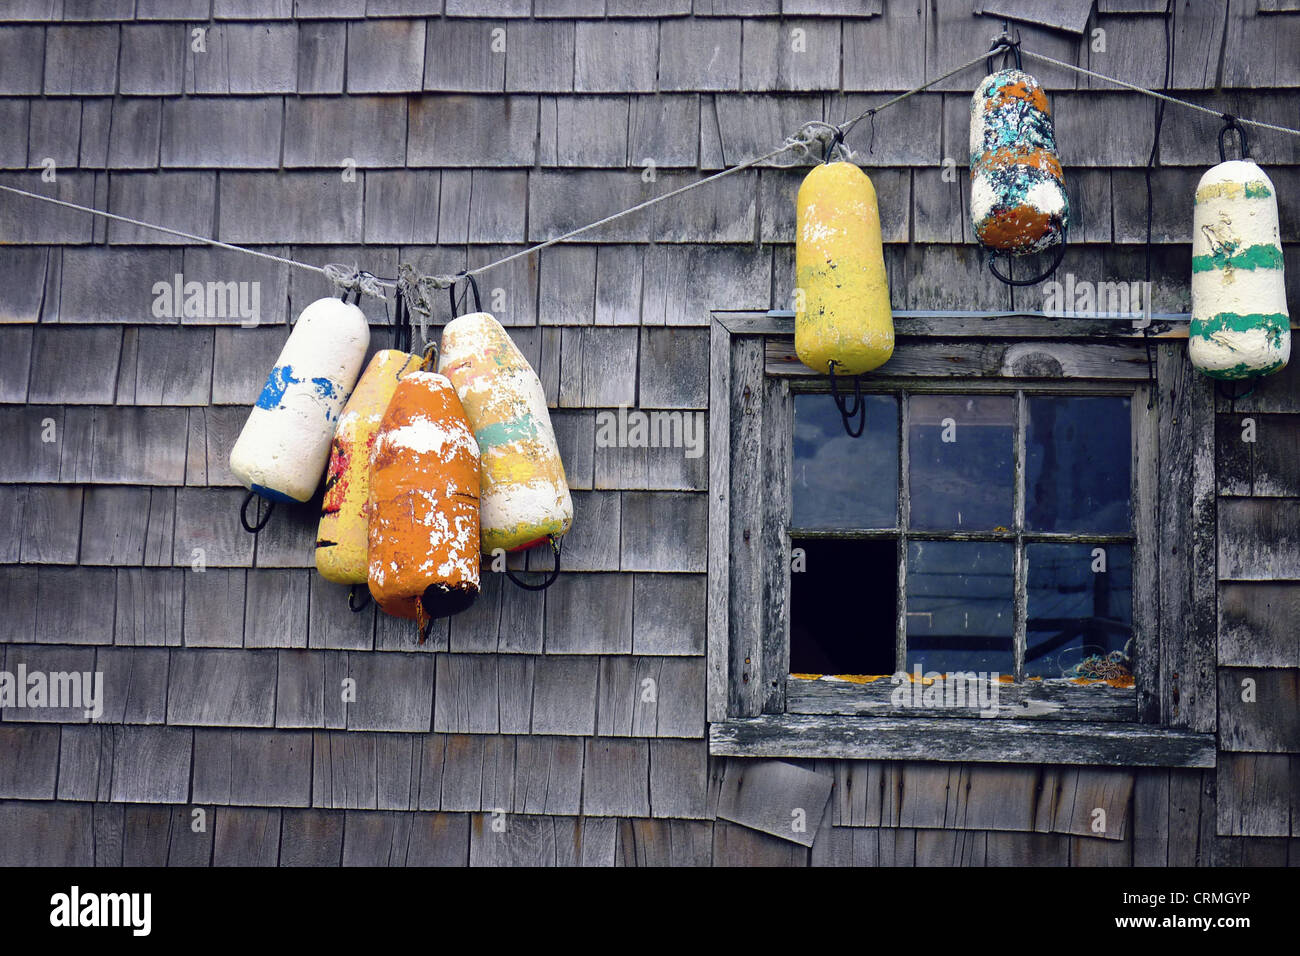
(424, 503)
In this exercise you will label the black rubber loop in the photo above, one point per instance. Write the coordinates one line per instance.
(555, 571)
(262, 520)
(1221, 387)
(836, 140)
(847, 413)
(1006, 45)
(1056, 263)
(1230, 123)
(473, 284)
(353, 606)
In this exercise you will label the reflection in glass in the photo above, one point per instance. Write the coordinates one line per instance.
(961, 449)
(959, 606)
(843, 482)
(1080, 611)
(1078, 464)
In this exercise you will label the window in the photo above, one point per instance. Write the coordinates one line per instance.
(1027, 519)
(934, 536)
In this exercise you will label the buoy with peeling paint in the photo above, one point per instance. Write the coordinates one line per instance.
(525, 497)
(423, 532)
(1240, 325)
(342, 548)
(842, 312)
(285, 443)
(1017, 203)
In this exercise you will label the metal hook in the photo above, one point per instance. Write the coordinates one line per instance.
(555, 571)
(262, 519)
(1230, 123)
(847, 412)
(1056, 262)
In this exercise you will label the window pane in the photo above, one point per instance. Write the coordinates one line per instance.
(843, 482)
(1078, 460)
(843, 607)
(959, 606)
(1080, 611)
(961, 449)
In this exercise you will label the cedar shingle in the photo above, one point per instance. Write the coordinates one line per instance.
(80, 59)
(385, 56)
(615, 778)
(289, 207)
(790, 55)
(214, 608)
(679, 778)
(664, 531)
(74, 605)
(65, 670)
(309, 689)
(51, 524)
(53, 132)
(402, 206)
(75, 365)
(103, 285)
(66, 830)
(153, 59)
(245, 837)
(275, 608)
(264, 768)
(208, 519)
(327, 131)
(244, 58)
(150, 607)
(151, 764)
(468, 56)
(664, 129)
(472, 131)
(668, 614)
(248, 129)
(699, 55)
(23, 221)
(589, 614)
(564, 695)
(222, 688)
(134, 138)
(539, 56)
(393, 692)
(614, 57)
(22, 59)
(183, 201)
(135, 683)
(139, 445)
(592, 541)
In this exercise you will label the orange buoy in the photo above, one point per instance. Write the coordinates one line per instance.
(341, 541)
(424, 503)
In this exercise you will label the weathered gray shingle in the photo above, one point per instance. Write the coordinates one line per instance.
(151, 764)
(290, 207)
(248, 130)
(222, 688)
(81, 59)
(275, 608)
(328, 131)
(583, 131)
(208, 520)
(385, 56)
(468, 56)
(540, 56)
(472, 131)
(150, 607)
(616, 57)
(790, 55)
(699, 54)
(615, 778)
(664, 531)
(564, 695)
(679, 778)
(22, 221)
(74, 605)
(183, 201)
(153, 58)
(244, 58)
(263, 768)
(22, 59)
(321, 57)
(393, 691)
(668, 614)
(135, 683)
(402, 206)
(53, 132)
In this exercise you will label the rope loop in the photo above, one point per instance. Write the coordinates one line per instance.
(1234, 396)
(848, 412)
(550, 578)
(1230, 123)
(262, 518)
(473, 284)
(1056, 262)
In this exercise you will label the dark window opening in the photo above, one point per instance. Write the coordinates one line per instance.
(843, 606)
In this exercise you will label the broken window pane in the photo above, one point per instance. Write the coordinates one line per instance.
(843, 606)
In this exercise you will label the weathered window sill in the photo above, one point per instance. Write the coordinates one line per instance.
(969, 740)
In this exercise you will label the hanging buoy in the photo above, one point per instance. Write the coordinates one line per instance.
(341, 541)
(424, 503)
(842, 312)
(282, 450)
(525, 497)
(1018, 204)
(1240, 326)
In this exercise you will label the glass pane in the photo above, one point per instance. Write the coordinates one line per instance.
(825, 576)
(962, 474)
(1078, 460)
(843, 482)
(1080, 611)
(959, 606)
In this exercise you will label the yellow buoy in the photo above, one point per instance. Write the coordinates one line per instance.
(525, 495)
(341, 549)
(842, 312)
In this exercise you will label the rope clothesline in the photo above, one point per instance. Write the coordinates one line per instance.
(416, 288)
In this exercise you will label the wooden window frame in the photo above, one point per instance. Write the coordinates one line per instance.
(749, 702)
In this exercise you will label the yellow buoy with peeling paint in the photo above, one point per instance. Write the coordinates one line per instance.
(341, 549)
(842, 312)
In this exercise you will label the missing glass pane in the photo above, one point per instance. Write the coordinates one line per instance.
(962, 451)
(1080, 611)
(960, 612)
(843, 606)
(843, 482)
(1078, 464)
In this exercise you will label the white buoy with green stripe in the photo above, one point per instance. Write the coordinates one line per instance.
(1240, 326)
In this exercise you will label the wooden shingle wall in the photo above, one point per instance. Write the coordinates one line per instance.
(565, 728)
